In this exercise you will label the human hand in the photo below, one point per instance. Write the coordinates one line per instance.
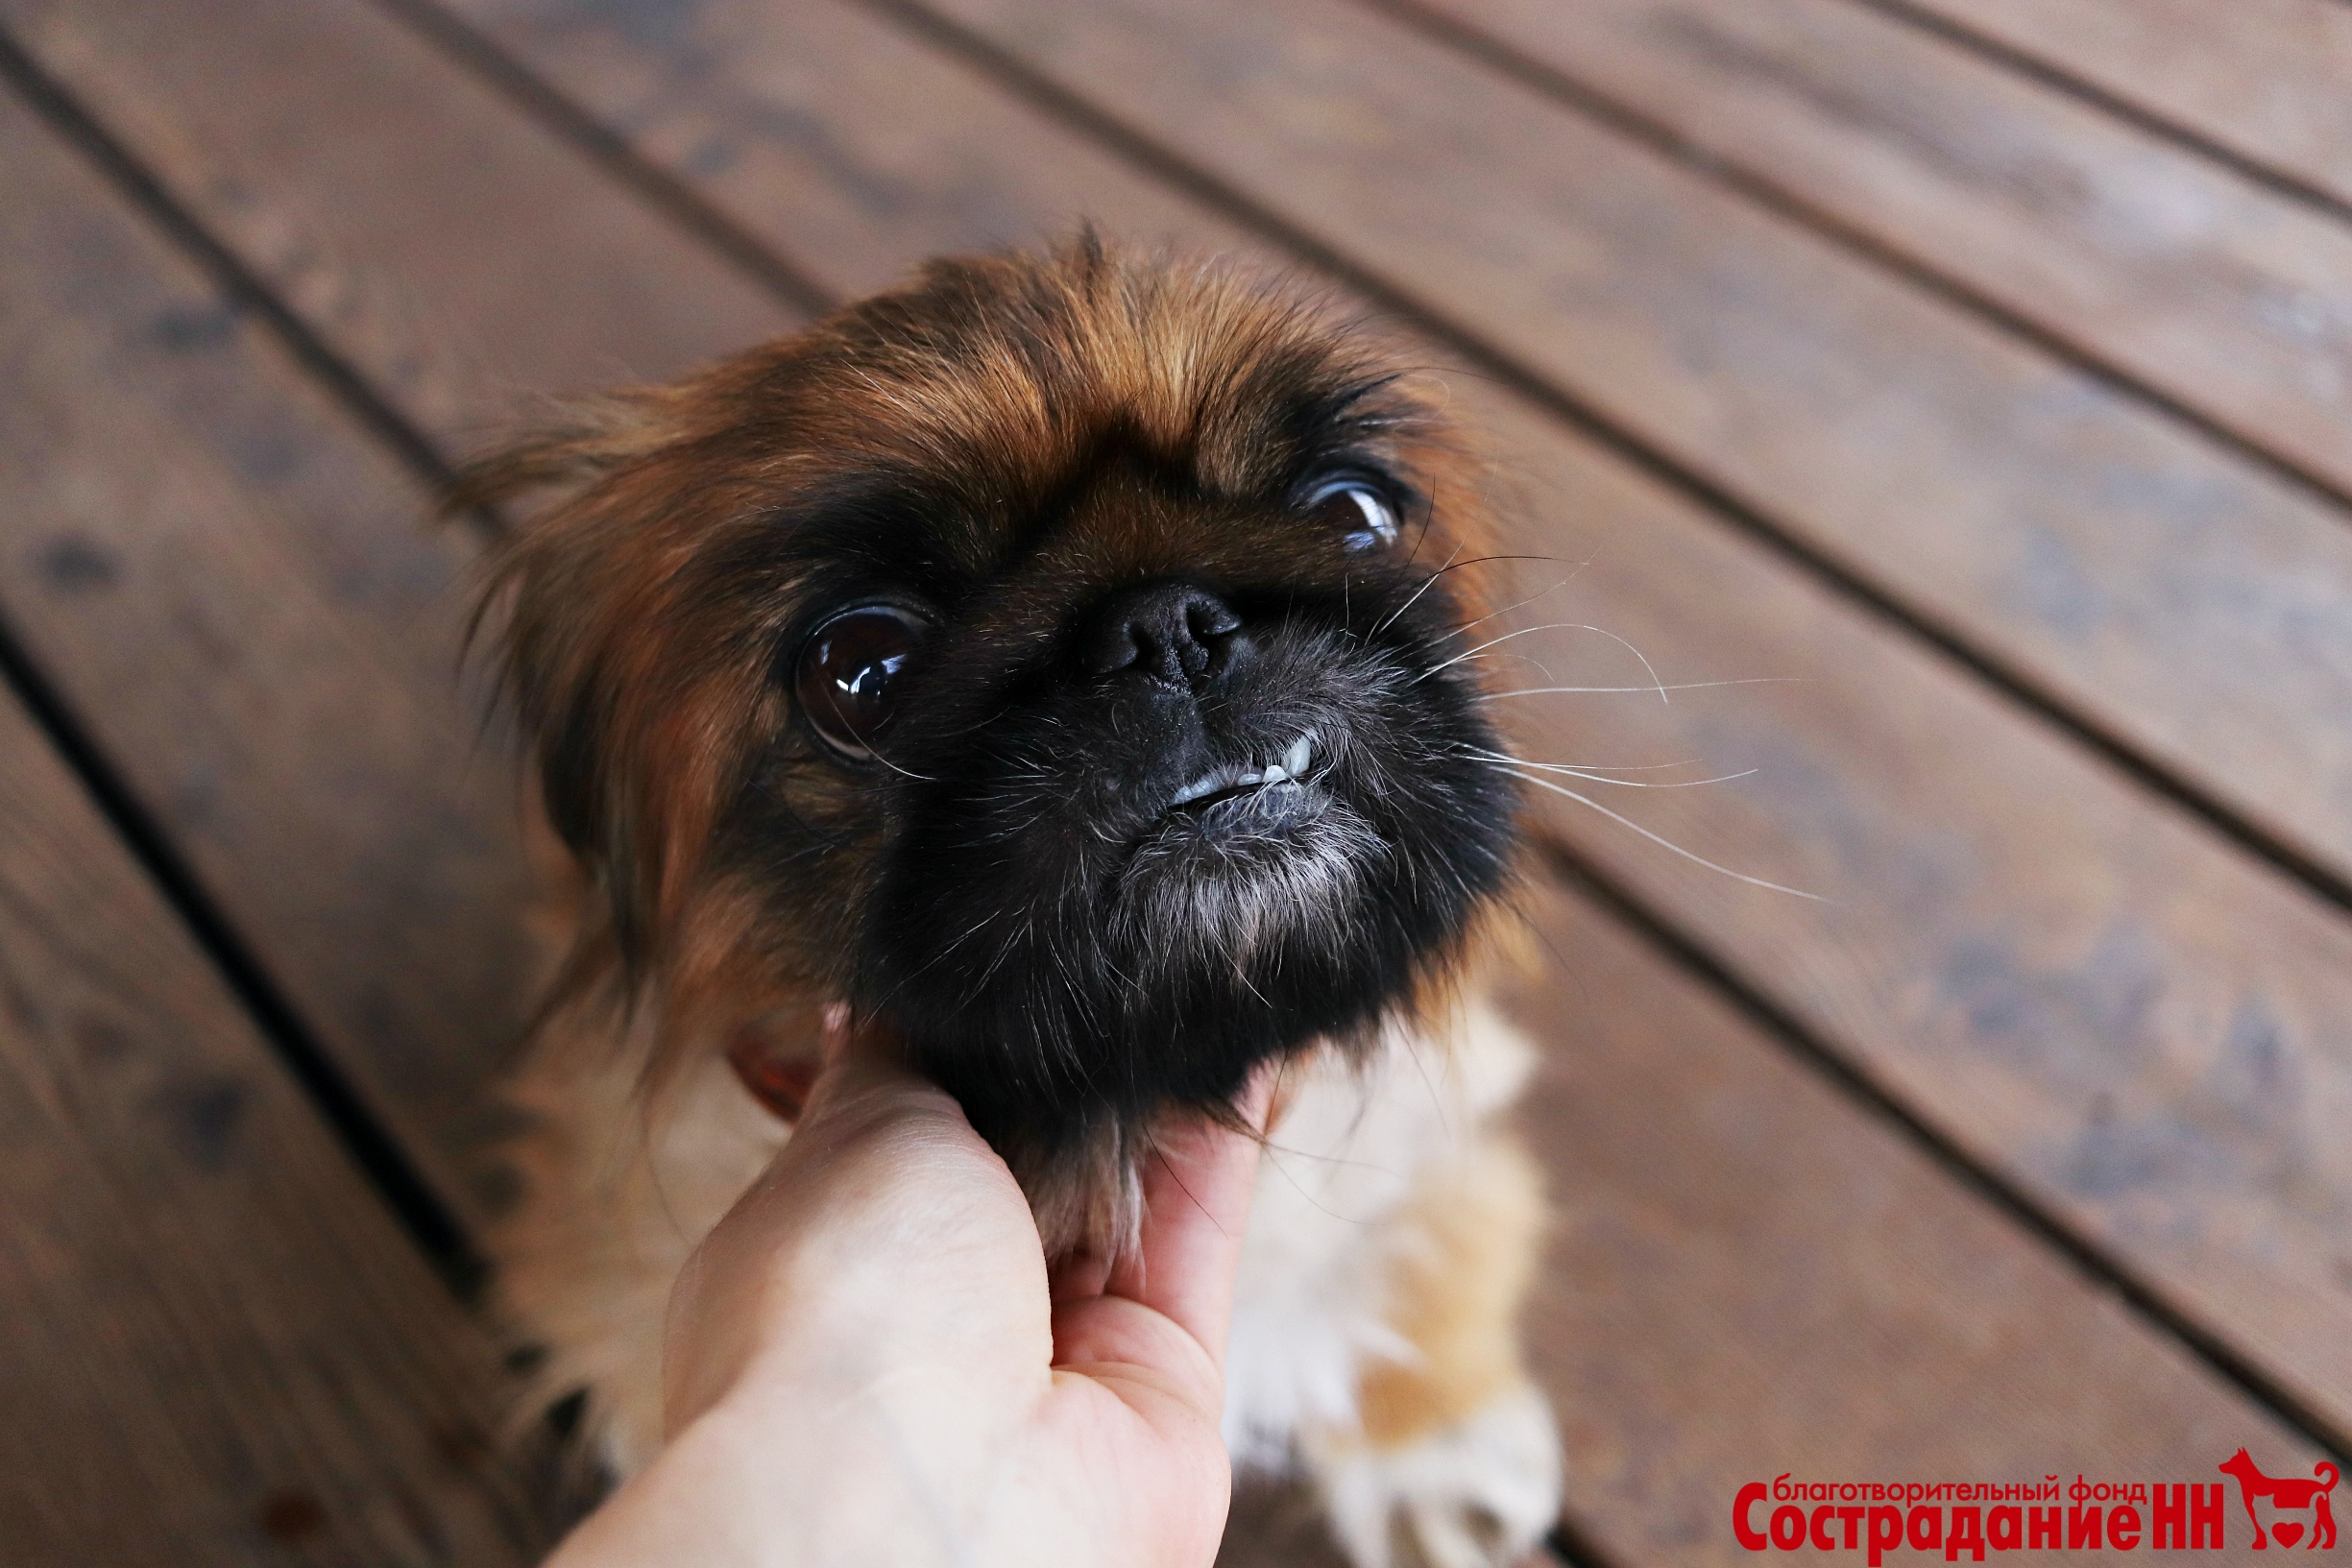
(867, 1363)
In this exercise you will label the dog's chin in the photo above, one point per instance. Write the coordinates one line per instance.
(1228, 929)
(1233, 932)
(1227, 882)
(1082, 920)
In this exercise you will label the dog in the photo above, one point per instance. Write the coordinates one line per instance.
(1068, 657)
(2286, 1492)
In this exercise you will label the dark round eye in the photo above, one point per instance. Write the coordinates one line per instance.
(849, 670)
(1357, 511)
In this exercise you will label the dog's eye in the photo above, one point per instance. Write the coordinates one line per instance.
(849, 669)
(1360, 513)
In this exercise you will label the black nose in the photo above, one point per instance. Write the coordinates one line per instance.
(1169, 631)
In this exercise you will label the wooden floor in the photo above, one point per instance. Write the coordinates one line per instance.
(1969, 378)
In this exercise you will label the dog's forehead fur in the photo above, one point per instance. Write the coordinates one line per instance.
(1055, 426)
(940, 431)
(1012, 375)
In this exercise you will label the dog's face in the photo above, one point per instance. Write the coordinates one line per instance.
(1059, 655)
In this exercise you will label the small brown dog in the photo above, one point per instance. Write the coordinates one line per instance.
(1065, 657)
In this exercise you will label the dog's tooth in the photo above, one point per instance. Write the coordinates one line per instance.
(1296, 760)
(1274, 774)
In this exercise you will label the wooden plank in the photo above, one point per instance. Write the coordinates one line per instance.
(2172, 595)
(1747, 1279)
(2265, 79)
(236, 589)
(2074, 983)
(2229, 299)
(219, 1348)
(761, 112)
(451, 245)
(229, 584)
(1944, 829)
(2083, 990)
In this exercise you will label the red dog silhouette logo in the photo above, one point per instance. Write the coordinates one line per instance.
(2286, 1492)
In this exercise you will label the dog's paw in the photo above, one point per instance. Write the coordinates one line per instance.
(1478, 1494)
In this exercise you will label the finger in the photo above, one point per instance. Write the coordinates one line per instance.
(859, 1054)
(1078, 1276)
(866, 1087)
(1195, 1188)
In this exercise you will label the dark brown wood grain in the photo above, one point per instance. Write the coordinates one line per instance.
(2066, 976)
(2172, 595)
(238, 591)
(2083, 990)
(219, 1348)
(1746, 1279)
(447, 242)
(2229, 299)
(2265, 79)
(748, 104)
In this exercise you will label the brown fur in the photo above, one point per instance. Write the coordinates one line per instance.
(1474, 1227)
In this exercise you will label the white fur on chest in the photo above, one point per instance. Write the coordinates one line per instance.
(1311, 1301)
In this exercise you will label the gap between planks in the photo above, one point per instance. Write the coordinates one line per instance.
(1573, 869)
(762, 260)
(419, 1210)
(1624, 120)
(2059, 80)
(386, 1167)
(1761, 189)
(219, 1348)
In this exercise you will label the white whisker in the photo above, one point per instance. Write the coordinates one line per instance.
(1530, 599)
(1390, 619)
(1665, 843)
(919, 778)
(1657, 686)
(1593, 776)
(1589, 767)
(1678, 685)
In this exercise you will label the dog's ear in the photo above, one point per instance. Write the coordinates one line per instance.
(639, 702)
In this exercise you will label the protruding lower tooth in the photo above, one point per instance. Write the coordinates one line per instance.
(1274, 774)
(1299, 757)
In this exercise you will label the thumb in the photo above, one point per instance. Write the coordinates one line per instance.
(1164, 1308)
(1197, 1186)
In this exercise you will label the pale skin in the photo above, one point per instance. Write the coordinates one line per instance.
(869, 1361)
